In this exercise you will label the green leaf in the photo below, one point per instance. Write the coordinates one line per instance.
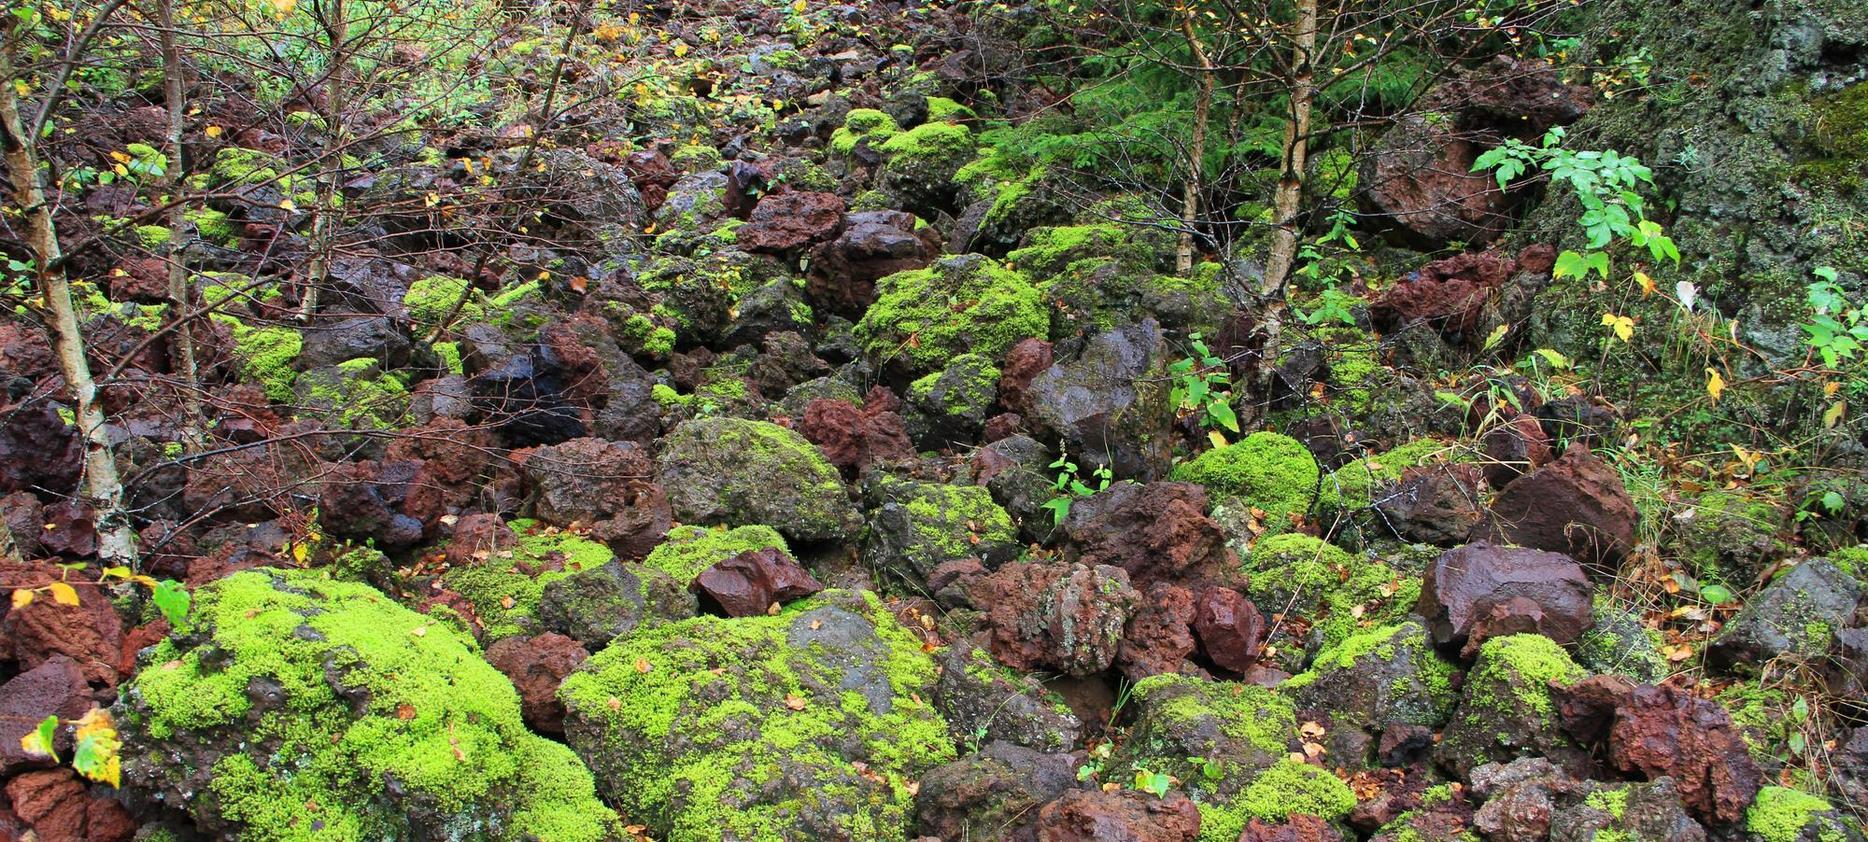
(1715, 594)
(1221, 413)
(172, 600)
(39, 739)
(1833, 502)
(1570, 265)
(1800, 710)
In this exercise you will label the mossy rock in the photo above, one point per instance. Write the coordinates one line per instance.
(860, 125)
(1048, 250)
(265, 355)
(808, 724)
(353, 395)
(737, 471)
(690, 550)
(1265, 470)
(1243, 730)
(1099, 293)
(506, 587)
(1352, 487)
(962, 304)
(294, 707)
(430, 299)
(598, 605)
(1619, 644)
(950, 406)
(1781, 814)
(914, 527)
(919, 164)
(1506, 710)
(1377, 678)
(1336, 592)
(1729, 538)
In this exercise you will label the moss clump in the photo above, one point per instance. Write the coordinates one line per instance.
(152, 236)
(1048, 250)
(430, 299)
(1853, 561)
(301, 697)
(1780, 814)
(808, 724)
(697, 157)
(1411, 683)
(213, 226)
(356, 395)
(1527, 663)
(1267, 470)
(943, 110)
(1242, 729)
(505, 587)
(1292, 788)
(966, 387)
(1618, 643)
(738, 471)
(688, 550)
(923, 318)
(449, 353)
(1352, 486)
(265, 354)
(931, 141)
(648, 337)
(236, 165)
(915, 527)
(863, 124)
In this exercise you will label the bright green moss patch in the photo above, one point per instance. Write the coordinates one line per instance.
(505, 587)
(923, 318)
(931, 140)
(152, 236)
(1352, 486)
(265, 354)
(1268, 470)
(213, 226)
(346, 690)
(1527, 663)
(863, 124)
(811, 723)
(1048, 250)
(430, 299)
(689, 550)
(1292, 788)
(1779, 814)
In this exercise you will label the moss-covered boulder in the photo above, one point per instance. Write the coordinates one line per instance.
(1374, 679)
(950, 406)
(920, 163)
(1098, 293)
(690, 550)
(1796, 615)
(353, 395)
(914, 527)
(1729, 538)
(1334, 592)
(594, 606)
(1218, 738)
(294, 707)
(1782, 814)
(503, 588)
(813, 723)
(1265, 470)
(1618, 644)
(1506, 710)
(736, 471)
(960, 304)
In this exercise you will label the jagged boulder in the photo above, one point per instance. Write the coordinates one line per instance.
(735, 471)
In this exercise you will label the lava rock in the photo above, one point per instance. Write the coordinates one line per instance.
(1797, 614)
(994, 794)
(856, 439)
(1481, 591)
(734, 471)
(1157, 532)
(1126, 814)
(1055, 616)
(1229, 629)
(1436, 505)
(873, 245)
(1109, 403)
(751, 583)
(598, 605)
(536, 666)
(1575, 505)
(56, 687)
(982, 700)
(784, 223)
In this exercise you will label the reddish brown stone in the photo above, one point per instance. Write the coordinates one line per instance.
(1298, 828)
(1023, 363)
(854, 439)
(1055, 616)
(89, 633)
(1576, 505)
(1513, 449)
(874, 244)
(1159, 638)
(54, 688)
(1157, 532)
(477, 537)
(1003, 425)
(783, 223)
(59, 809)
(1123, 815)
(1667, 731)
(1480, 591)
(749, 584)
(536, 666)
(1433, 504)
(144, 280)
(1229, 629)
(138, 639)
(70, 529)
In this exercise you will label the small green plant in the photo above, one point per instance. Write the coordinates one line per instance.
(1200, 385)
(1332, 308)
(1605, 182)
(1094, 763)
(1157, 783)
(1070, 485)
(95, 746)
(1837, 327)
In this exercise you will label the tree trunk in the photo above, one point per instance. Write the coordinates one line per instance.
(1285, 203)
(1196, 149)
(116, 541)
(318, 268)
(194, 423)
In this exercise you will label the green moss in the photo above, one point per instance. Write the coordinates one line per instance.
(450, 355)
(1611, 801)
(1352, 486)
(1779, 814)
(968, 385)
(152, 237)
(923, 318)
(942, 110)
(863, 124)
(1527, 663)
(213, 226)
(666, 396)
(505, 587)
(936, 144)
(1268, 470)
(430, 299)
(688, 550)
(235, 165)
(265, 354)
(697, 158)
(1048, 250)
(1851, 560)
(1840, 137)
(356, 395)
(655, 340)
(420, 707)
(1293, 788)
(736, 731)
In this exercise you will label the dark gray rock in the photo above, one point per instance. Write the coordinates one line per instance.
(1109, 404)
(1797, 614)
(595, 606)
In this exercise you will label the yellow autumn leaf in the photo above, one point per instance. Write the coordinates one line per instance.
(1715, 385)
(20, 86)
(288, 204)
(681, 49)
(799, 6)
(120, 157)
(283, 7)
(1647, 283)
(1622, 326)
(212, 131)
(1836, 411)
(63, 594)
(22, 598)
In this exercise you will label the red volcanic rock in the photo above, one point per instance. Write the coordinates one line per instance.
(854, 439)
(54, 688)
(536, 666)
(872, 245)
(1023, 363)
(1436, 504)
(1157, 532)
(1055, 616)
(59, 808)
(1480, 591)
(90, 633)
(1229, 629)
(783, 223)
(1664, 731)
(1298, 828)
(1576, 505)
(1125, 814)
(749, 584)
(1159, 638)
(1514, 449)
